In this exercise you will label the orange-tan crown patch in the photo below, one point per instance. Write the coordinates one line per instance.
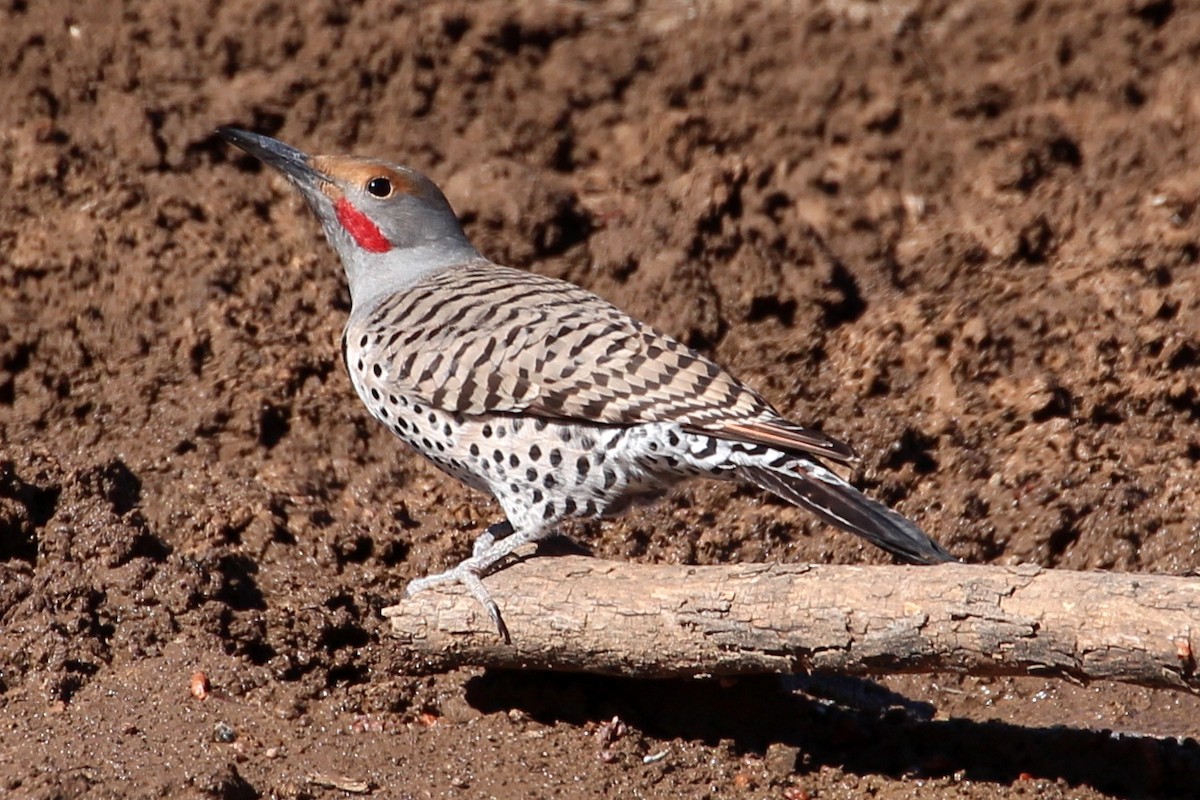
(357, 171)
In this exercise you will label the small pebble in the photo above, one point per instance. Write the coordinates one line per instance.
(655, 757)
(200, 687)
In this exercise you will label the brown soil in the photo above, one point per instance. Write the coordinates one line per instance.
(962, 236)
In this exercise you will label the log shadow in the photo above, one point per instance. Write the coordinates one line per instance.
(881, 733)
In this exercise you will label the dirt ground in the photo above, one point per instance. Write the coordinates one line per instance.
(962, 236)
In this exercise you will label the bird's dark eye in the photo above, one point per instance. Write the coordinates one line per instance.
(380, 187)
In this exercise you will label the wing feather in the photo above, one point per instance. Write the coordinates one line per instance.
(567, 354)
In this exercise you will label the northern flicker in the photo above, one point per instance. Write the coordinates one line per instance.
(536, 391)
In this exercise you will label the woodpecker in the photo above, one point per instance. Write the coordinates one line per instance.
(536, 391)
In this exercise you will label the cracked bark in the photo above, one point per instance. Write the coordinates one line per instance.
(584, 615)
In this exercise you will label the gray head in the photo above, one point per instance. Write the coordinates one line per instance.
(390, 224)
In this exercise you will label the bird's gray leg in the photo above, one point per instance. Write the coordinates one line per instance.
(485, 540)
(486, 553)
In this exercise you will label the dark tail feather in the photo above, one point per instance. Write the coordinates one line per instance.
(843, 506)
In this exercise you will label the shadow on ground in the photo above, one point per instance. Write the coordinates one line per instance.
(866, 730)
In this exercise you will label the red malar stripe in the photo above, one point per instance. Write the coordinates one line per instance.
(365, 232)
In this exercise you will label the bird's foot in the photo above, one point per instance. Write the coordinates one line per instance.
(468, 573)
(492, 547)
(485, 554)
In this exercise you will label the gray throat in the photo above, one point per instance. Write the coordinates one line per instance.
(374, 277)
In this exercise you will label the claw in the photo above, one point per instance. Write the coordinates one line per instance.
(498, 621)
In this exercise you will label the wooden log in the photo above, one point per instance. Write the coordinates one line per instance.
(586, 615)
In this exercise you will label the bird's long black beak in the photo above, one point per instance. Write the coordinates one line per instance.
(285, 158)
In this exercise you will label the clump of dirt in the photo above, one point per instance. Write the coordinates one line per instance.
(964, 238)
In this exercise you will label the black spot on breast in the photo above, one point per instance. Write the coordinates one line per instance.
(538, 496)
(428, 445)
(539, 424)
(673, 439)
(610, 478)
(555, 457)
(486, 431)
(378, 370)
(514, 461)
(447, 430)
(363, 341)
(569, 506)
(474, 450)
(374, 394)
(383, 412)
(582, 465)
(498, 456)
(359, 365)
(549, 512)
(432, 418)
(535, 452)
(531, 474)
(549, 481)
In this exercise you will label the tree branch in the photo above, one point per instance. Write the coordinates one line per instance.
(584, 615)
